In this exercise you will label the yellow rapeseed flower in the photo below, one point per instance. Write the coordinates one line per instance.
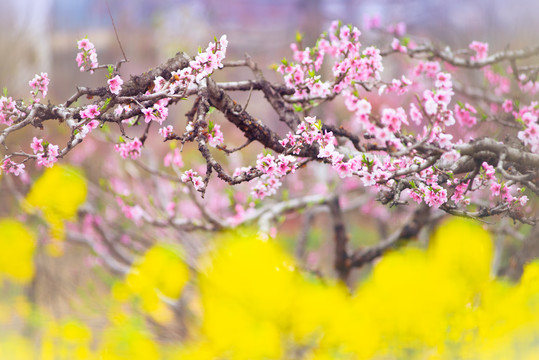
(17, 246)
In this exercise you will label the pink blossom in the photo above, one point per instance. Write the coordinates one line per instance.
(11, 167)
(40, 83)
(489, 170)
(93, 124)
(415, 114)
(416, 196)
(37, 145)
(394, 119)
(460, 189)
(507, 106)
(530, 136)
(523, 200)
(115, 84)
(173, 158)
(495, 188)
(266, 164)
(166, 131)
(399, 29)
(396, 45)
(52, 150)
(85, 44)
(506, 194)
(528, 118)
(148, 114)
(343, 169)
(51, 158)
(197, 183)
(131, 149)
(430, 106)
(443, 81)
(266, 187)
(364, 107)
(481, 50)
(326, 151)
(191, 176)
(159, 82)
(215, 137)
(435, 196)
(465, 115)
(87, 58)
(82, 132)
(372, 22)
(90, 112)
(159, 112)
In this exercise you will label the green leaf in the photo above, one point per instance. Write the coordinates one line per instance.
(211, 110)
(299, 37)
(286, 195)
(405, 41)
(284, 62)
(110, 68)
(105, 105)
(210, 126)
(5, 91)
(297, 107)
(121, 139)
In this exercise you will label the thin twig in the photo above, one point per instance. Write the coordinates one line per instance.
(116, 33)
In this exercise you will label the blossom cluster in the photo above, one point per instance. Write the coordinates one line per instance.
(11, 167)
(351, 65)
(46, 153)
(173, 158)
(40, 83)
(205, 63)
(530, 135)
(130, 149)
(481, 50)
(8, 110)
(85, 129)
(215, 135)
(131, 212)
(165, 131)
(273, 169)
(87, 57)
(192, 176)
(158, 112)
